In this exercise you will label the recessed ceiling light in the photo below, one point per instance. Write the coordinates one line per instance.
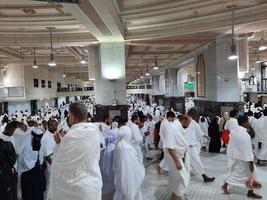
(233, 57)
(83, 61)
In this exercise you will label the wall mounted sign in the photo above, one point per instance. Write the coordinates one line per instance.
(189, 86)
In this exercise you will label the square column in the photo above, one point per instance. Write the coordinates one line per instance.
(221, 79)
(155, 85)
(174, 95)
(110, 83)
(228, 88)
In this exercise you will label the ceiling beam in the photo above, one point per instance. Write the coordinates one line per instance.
(149, 59)
(43, 40)
(135, 53)
(215, 22)
(169, 42)
(150, 65)
(10, 52)
(43, 60)
(74, 52)
(29, 6)
(100, 18)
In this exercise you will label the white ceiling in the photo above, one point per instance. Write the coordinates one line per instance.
(167, 29)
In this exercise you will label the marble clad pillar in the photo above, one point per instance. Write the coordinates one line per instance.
(110, 82)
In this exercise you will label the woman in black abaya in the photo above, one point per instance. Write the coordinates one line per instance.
(215, 136)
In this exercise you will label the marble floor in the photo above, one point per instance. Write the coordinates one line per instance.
(155, 186)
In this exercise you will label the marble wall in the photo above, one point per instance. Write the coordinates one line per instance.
(222, 81)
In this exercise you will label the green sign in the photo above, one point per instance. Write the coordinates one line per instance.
(189, 85)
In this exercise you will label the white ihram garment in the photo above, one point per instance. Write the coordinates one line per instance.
(239, 157)
(136, 139)
(104, 129)
(193, 136)
(19, 137)
(174, 139)
(231, 124)
(106, 162)
(48, 144)
(162, 132)
(261, 136)
(129, 170)
(28, 156)
(75, 173)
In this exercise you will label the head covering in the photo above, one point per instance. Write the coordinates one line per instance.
(125, 134)
(226, 116)
(106, 162)
(128, 179)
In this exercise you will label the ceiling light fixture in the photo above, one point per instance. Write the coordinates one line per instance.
(52, 62)
(262, 46)
(252, 67)
(4, 69)
(156, 64)
(147, 73)
(35, 66)
(141, 75)
(83, 61)
(233, 55)
(64, 74)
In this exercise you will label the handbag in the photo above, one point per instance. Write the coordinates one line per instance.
(225, 136)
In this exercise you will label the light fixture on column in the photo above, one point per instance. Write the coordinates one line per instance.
(147, 73)
(156, 64)
(252, 67)
(233, 55)
(64, 74)
(82, 61)
(262, 46)
(34, 66)
(52, 62)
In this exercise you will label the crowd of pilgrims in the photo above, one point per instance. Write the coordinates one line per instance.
(65, 153)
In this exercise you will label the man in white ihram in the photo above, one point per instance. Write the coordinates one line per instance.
(75, 173)
(240, 159)
(137, 138)
(175, 150)
(231, 123)
(193, 136)
(261, 136)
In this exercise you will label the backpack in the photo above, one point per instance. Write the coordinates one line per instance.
(8, 155)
